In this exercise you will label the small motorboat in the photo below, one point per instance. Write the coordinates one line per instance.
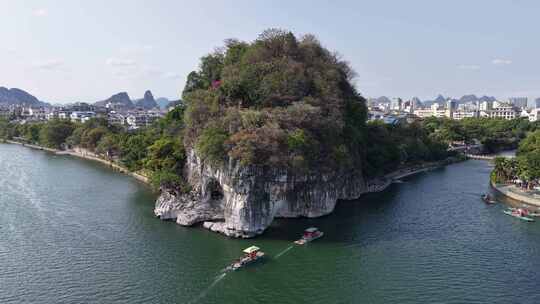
(251, 254)
(520, 214)
(487, 199)
(309, 235)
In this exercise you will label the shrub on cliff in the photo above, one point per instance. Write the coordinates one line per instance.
(211, 143)
(168, 180)
(279, 100)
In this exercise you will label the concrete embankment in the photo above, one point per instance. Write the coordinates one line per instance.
(91, 156)
(516, 194)
(31, 146)
(381, 183)
(82, 153)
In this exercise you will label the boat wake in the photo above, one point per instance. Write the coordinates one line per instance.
(205, 292)
(284, 251)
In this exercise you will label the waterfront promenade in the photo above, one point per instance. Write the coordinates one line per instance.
(85, 154)
(481, 156)
(527, 197)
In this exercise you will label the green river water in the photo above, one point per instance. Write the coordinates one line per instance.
(72, 231)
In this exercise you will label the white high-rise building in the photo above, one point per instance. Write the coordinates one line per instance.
(397, 104)
(485, 106)
(518, 102)
(535, 104)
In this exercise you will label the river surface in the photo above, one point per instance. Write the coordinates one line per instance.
(72, 231)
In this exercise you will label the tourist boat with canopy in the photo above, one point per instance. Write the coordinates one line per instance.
(309, 235)
(519, 213)
(251, 254)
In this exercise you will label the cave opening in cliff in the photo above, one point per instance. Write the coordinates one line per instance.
(215, 190)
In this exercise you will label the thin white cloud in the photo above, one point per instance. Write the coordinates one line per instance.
(149, 71)
(171, 75)
(41, 12)
(137, 49)
(471, 67)
(123, 74)
(52, 64)
(500, 61)
(136, 72)
(117, 62)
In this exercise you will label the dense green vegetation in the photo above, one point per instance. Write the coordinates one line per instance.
(156, 151)
(525, 166)
(494, 134)
(391, 146)
(159, 151)
(278, 101)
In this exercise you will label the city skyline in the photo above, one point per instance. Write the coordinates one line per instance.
(83, 52)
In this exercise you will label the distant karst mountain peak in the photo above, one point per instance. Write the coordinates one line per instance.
(123, 100)
(147, 102)
(17, 96)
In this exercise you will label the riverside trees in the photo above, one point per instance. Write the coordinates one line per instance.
(526, 164)
(495, 134)
(157, 150)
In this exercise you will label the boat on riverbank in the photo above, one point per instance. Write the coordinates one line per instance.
(251, 254)
(309, 235)
(518, 213)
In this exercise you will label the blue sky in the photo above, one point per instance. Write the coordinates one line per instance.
(66, 51)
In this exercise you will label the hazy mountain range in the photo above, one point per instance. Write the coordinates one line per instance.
(17, 96)
(148, 102)
(441, 99)
(123, 100)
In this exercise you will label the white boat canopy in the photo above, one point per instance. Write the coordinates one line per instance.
(311, 229)
(251, 249)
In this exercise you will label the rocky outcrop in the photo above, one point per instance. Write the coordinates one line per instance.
(120, 100)
(147, 102)
(187, 209)
(243, 201)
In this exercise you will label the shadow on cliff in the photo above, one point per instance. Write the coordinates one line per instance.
(342, 224)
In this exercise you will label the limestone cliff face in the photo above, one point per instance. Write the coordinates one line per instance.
(243, 201)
